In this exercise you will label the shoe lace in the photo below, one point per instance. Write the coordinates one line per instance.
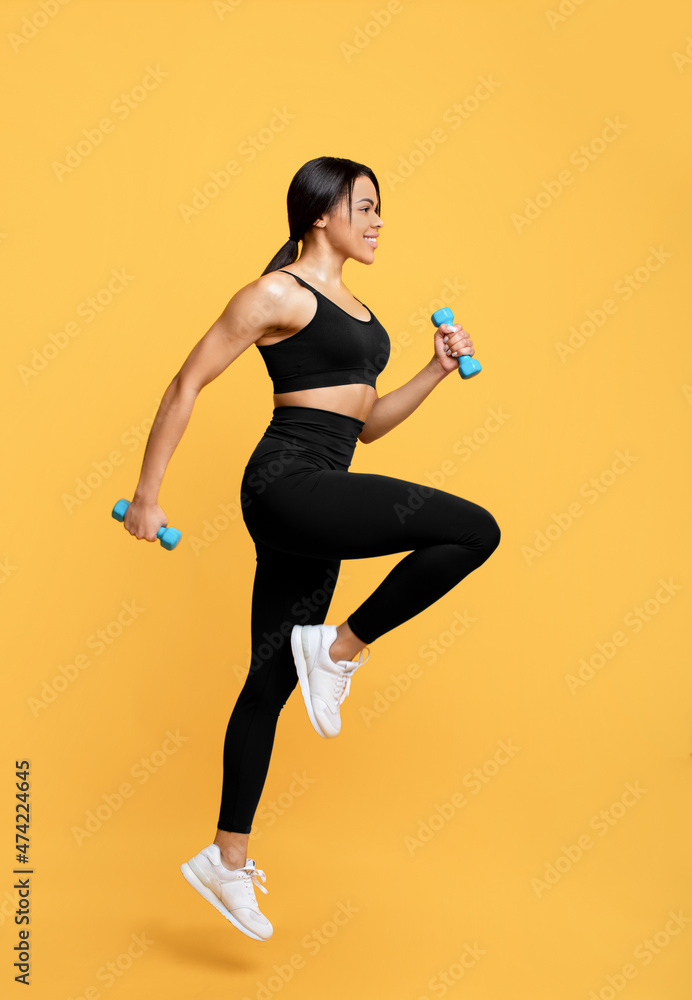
(342, 685)
(249, 879)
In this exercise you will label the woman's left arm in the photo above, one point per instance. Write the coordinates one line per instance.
(391, 409)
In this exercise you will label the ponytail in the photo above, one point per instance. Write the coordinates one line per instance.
(316, 189)
(286, 255)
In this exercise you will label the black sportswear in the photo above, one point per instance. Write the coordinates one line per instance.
(306, 512)
(334, 348)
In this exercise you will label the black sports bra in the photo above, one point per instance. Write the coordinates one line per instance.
(334, 348)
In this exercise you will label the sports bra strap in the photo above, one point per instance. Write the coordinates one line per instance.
(297, 276)
(307, 285)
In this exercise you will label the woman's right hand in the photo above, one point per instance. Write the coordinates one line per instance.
(144, 518)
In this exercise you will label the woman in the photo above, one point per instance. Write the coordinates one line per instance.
(302, 506)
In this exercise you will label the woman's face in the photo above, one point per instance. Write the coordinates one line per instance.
(350, 235)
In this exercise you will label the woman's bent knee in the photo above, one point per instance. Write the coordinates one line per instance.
(492, 533)
(486, 533)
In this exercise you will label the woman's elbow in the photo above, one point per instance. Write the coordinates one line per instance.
(181, 391)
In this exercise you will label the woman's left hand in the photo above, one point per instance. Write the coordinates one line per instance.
(451, 341)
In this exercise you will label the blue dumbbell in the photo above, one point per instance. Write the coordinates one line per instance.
(169, 537)
(468, 366)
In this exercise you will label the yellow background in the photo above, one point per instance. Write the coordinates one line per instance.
(374, 93)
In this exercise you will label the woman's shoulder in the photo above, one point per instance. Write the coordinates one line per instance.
(274, 286)
(268, 302)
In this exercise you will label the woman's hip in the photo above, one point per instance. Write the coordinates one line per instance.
(324, 437)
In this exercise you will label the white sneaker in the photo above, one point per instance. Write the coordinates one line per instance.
(323, 682)
(231, 891)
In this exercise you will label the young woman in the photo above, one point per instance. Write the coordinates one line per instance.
(304, 509)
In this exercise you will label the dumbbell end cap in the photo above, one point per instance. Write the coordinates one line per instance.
(468, 367)
(118, 511)
(444, 315)
(171, 538)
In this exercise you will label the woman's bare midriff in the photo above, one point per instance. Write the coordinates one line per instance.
(351, 400)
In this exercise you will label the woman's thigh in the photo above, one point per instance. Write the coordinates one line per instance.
(337, 514)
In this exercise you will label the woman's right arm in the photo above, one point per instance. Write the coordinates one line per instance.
(254, 310)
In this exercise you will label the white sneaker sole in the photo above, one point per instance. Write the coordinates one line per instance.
(212, 898)
(300, 652)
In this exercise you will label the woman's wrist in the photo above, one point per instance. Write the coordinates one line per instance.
(146, 496)
(435, 368)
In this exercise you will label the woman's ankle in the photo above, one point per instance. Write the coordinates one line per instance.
(232, 847)
(347, 645)
(232, 862)
(231, 859)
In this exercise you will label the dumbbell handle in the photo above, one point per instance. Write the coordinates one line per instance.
(468, 366)
(169, 537)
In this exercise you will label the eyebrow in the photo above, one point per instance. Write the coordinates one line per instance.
(365, 199)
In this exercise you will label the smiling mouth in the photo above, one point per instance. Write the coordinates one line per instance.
(372, 240)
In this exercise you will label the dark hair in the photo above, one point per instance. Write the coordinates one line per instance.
(316, 189)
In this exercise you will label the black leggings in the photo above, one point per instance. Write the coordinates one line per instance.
(306, 512)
